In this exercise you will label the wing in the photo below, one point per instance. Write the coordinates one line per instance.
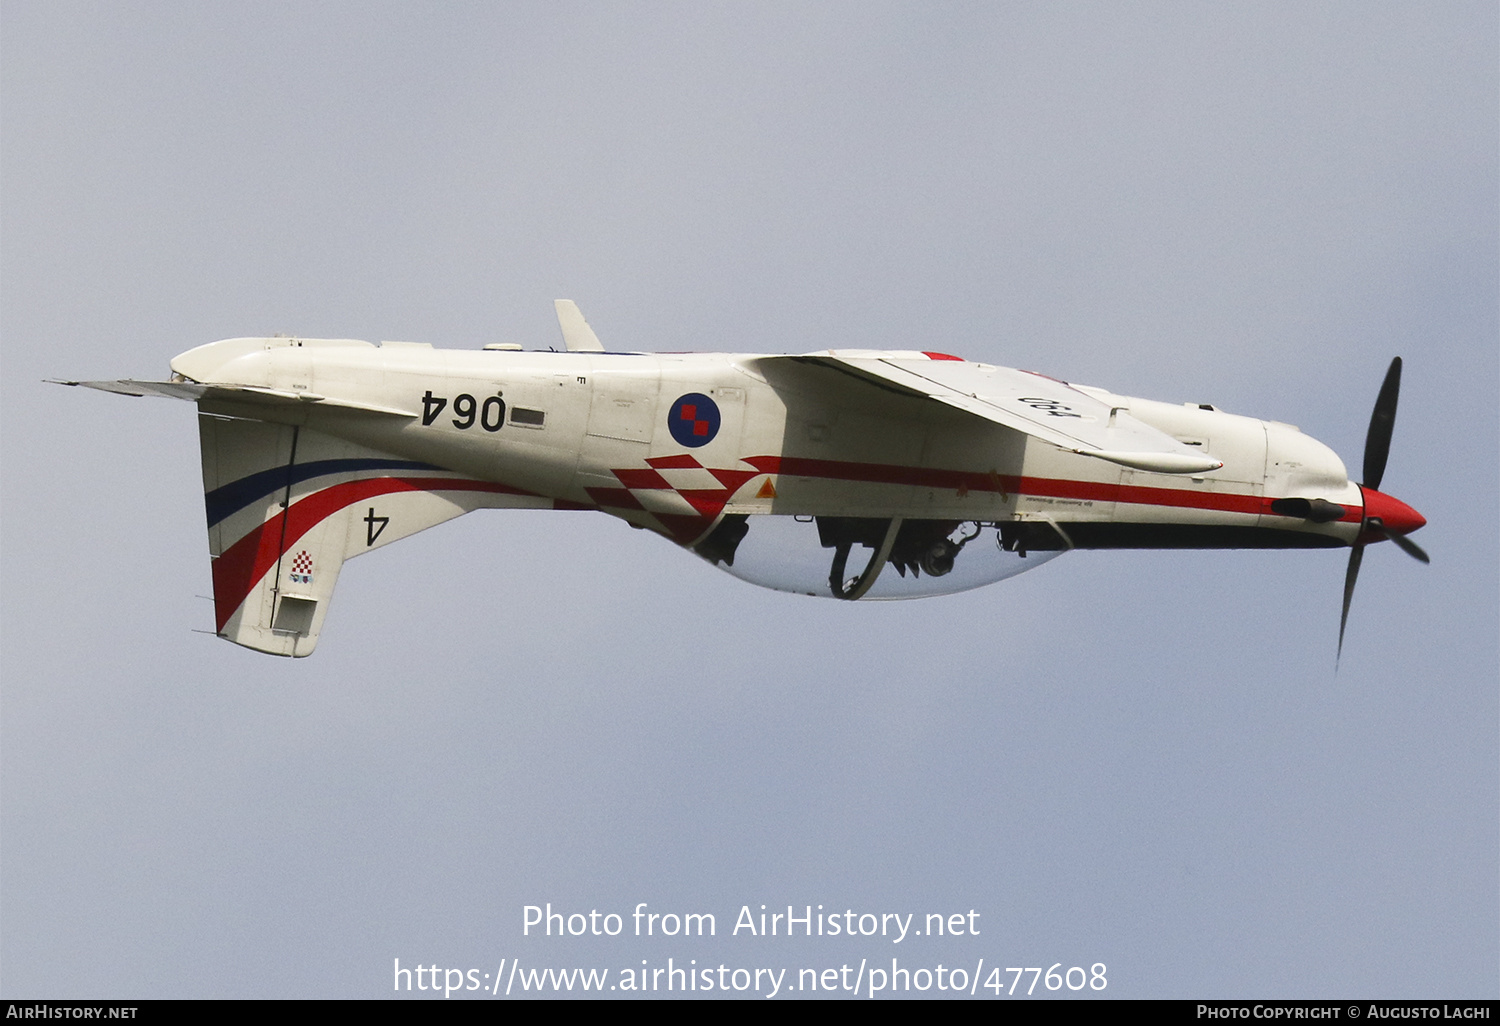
(1034, 404)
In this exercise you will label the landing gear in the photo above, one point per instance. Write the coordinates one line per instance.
(921, 546)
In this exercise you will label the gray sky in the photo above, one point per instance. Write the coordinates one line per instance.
(1142, 759)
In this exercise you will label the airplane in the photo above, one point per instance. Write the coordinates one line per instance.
(851, 474)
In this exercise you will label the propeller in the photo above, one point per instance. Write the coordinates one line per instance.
(1382, 423)
(1380, 508)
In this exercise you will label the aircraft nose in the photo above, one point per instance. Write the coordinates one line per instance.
(1394, 515)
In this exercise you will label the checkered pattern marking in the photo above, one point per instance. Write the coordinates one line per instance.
(302, 565)
(683, 495)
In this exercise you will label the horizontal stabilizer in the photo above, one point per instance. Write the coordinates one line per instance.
(194, 392)
(167, 389)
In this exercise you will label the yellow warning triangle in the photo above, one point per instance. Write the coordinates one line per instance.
(767, 490)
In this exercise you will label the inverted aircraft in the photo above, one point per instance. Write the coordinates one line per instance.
(850, 474)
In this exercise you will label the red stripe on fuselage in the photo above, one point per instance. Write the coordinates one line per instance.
(1048, 487)
(236, 572)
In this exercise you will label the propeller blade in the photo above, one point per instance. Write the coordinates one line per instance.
(1382, 423)
(1350, 576)
(1407, 546)
(1377, 451)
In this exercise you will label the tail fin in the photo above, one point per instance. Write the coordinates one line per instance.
(287, 505)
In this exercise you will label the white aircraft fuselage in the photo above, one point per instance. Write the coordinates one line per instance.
(812, 474)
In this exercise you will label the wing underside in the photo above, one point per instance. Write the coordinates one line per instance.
(1033, 404)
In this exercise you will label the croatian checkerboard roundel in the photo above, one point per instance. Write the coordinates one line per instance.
(693, 420)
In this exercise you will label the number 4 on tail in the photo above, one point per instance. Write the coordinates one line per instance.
(373, 526)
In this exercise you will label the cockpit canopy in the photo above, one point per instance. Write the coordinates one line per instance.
(875, 557)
